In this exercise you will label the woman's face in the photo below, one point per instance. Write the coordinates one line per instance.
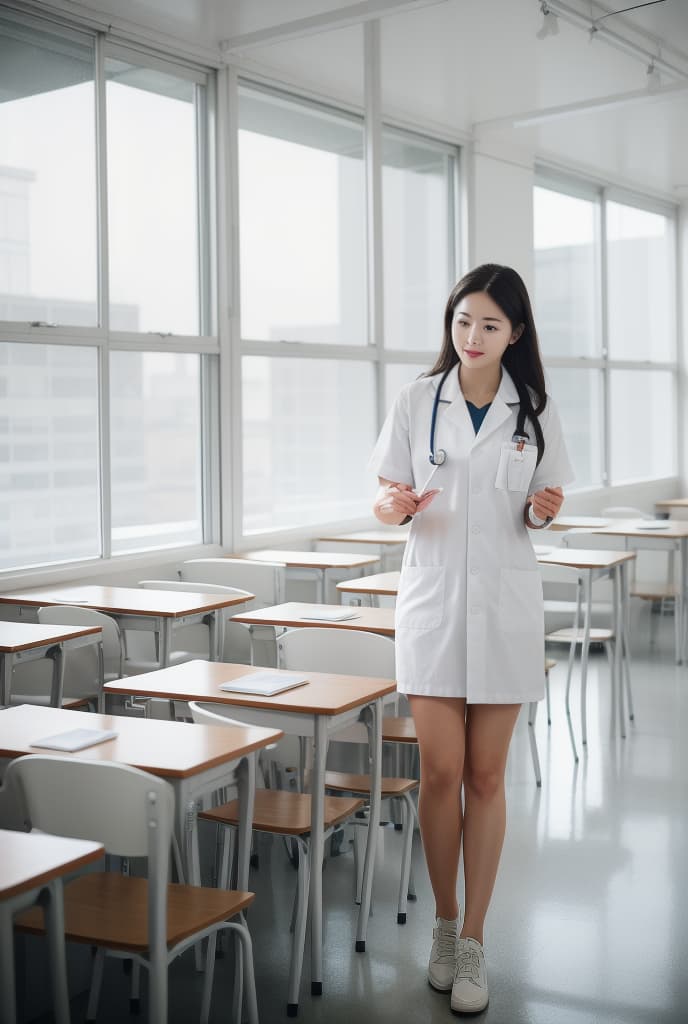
(481, 332)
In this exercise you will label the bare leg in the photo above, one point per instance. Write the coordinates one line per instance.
(440, 727)
(488, 733)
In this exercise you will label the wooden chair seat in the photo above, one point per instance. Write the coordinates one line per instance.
(653, 591)
(346, 782)
(597, 636)
(284, 812)
(399, 730)
(108, 909)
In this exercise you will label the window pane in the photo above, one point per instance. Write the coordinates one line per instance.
(48, 258)
(301, 208)
(566, 273)
(578, 397)
(418, 214)
(643, 421)
(156, 450)
(398, 374)
(309, 428)
(152, 192)
(49, 493)
(640, 280)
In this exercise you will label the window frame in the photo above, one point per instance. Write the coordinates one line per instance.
(601, 193)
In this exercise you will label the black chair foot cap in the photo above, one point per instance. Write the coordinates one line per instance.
(398, 827)
(401, 918)
(292, 1009)
(411, 896)
(316, 988)
(539, 784)
(135, 1006)
(360, 945)
(254, 860)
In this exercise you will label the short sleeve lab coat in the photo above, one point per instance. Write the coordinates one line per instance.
(469, 613)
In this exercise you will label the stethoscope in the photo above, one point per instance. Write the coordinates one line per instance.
(438, 458)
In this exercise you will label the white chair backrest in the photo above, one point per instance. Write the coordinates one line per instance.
(267, 580)
(625, 512)
(75, 615)
(212, 714)
(326, 649)
(100, 800)
(196, 588)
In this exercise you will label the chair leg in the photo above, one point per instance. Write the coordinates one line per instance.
(299, 937)
(627, 676)
(532, 711)
(96, 982)
(408, 813)
(208, 977)
(245, 955)
(135, 988)
(549, 706)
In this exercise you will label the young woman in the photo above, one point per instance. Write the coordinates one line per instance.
(469, 618)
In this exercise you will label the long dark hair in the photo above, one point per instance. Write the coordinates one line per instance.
(522, 359)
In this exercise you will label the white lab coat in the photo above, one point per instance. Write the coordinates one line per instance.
(469, 615)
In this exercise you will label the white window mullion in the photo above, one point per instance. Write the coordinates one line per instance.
(103, 298)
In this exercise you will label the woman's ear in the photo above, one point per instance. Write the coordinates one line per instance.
(518, 331)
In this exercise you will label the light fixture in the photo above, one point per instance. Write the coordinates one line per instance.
(550, 22)
(652, 75)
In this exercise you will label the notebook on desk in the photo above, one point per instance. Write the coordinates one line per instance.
(75, 739)
(326, 614)
(264, 684)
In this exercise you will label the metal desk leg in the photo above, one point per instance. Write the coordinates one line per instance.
(317, 849)
(56, 654)
(8, 997)
(53, 904)
(587, 598)
(617, 678)
(6, 668)
(681, 609)
(322, 575)
(374, 715)
(165, 644)
(246, 786)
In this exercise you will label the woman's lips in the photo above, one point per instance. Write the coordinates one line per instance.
(471, 353)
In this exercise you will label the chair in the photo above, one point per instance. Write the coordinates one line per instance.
(186, 635)
(276, 812)
(85, 668)
(323, 649)
(131, 812)
(267, 581)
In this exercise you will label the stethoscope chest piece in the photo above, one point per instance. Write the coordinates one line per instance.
(438, 458)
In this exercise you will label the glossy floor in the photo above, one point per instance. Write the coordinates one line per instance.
(589, 922)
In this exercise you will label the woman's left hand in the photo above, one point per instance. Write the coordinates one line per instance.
(547, 502)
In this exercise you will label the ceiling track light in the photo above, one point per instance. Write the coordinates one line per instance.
(550, 22)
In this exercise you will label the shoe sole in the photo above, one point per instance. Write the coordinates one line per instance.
(437, 988)
(471, 1011)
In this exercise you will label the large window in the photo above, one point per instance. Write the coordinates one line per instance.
(103, 306)
(612, 364)
(311, 405)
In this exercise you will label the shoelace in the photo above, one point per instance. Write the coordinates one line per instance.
(446, 945)
(467, 966)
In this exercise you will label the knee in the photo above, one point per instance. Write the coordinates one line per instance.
(440, 777)
(483, 783)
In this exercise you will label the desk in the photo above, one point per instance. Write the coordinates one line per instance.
(317, 563)
(592, 565)
(294, 613)
(385, 541)
(139, 608)
(675, 532)
(382, 584)
(195, 759)
(325, 704)
(27, 641)
(33, 865)
(579, 522)
(671, 503)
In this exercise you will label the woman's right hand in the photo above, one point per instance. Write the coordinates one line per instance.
(394, 502)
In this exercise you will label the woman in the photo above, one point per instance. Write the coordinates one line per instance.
(469, 618)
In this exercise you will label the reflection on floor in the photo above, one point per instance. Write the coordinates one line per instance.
(589, 923)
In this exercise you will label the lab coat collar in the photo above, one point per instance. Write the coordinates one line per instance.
(451, 391)
(457, 411)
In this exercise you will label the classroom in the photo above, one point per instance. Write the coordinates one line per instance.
(343, 483)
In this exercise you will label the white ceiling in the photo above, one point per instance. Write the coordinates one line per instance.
(453, 65)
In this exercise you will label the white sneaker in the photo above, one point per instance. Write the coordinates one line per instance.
(469, 991)
(442, 955)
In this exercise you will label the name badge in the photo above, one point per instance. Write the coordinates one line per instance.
(516, 466)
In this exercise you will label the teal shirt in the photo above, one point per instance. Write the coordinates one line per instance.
(477, 415)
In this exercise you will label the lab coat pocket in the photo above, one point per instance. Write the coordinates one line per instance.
(420, 602)
(520, 600)
(516, 468)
